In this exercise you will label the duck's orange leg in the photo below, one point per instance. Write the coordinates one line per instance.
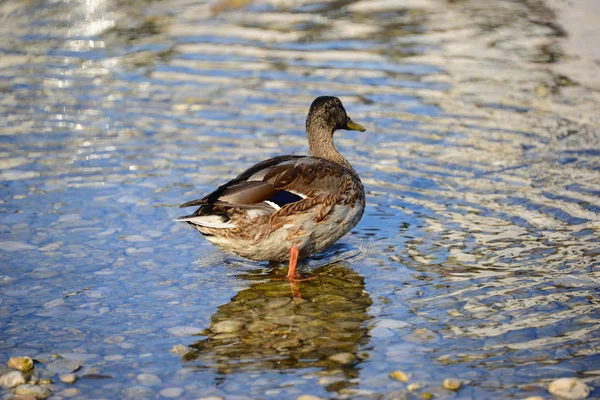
(291, 275)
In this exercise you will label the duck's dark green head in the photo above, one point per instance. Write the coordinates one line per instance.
(327, 114)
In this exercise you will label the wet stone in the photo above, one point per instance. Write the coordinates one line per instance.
(413, 387)
(569, 389)
(21, 363)
(343, 358)
(148, 379)
(183, 331)
(277, 303)
(227, 326)
(69, 392)
(179, 349)
(171, 392)
(308, 397)
(451, 384)
(68, 378)
(135, 392)
(38, 392)
(400, 376)
(64, 366)
(12, 379)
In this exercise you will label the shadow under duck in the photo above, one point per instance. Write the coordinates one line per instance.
(287, 207)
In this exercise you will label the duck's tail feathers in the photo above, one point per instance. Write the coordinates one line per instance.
(209, 221)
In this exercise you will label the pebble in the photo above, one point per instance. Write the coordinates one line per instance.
(21, 363)
(343, 358)
(227, 326)
(400, 376)
(183, 331)
(136, 392)
(171, 392)
(38, 392)
(64, 366)
(426, 396)
(451, 384)
(535, 398)
(12, 379)
(69, 392)
(308, 397)
(68, 378)
(569, 389)
(179, 349)
(413, 387)
(148, 379)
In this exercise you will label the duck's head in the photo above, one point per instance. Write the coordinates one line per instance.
(326, 115)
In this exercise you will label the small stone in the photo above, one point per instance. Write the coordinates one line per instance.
(179, 349)
(426, 396)
(148, 379)
(69, 392)
(227, 326)
(5, 280)
(45, 381)
(535, 398)
(68, 378)
(64, 366)
(136, 392)
(308, 397)
(38, 392)
(171, 392)
(343, 358)
(21, 363)
(413, 387)
(451, 384)
(12, 379)
(183, 331)
(400, 376)
(569, 389)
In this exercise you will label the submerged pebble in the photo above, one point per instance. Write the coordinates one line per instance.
(227, 326)
(171, 392)
(179, 349)
(38, 392)
(21, 363)
(64, 366)
(400, 376)
(148, 379)
(343, 358)
(12, 379)
(413, 387)
(569, 388)
(451, 384)
(69, 392)
(68, 378)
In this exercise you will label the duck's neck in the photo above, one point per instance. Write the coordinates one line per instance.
(321, 145)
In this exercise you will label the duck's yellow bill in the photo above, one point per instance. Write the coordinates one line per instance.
(353, 126)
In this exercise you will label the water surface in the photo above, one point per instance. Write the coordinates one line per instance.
(478, 256)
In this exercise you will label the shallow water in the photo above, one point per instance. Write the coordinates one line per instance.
(478, 256)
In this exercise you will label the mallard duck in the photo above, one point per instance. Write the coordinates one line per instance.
(287, 207)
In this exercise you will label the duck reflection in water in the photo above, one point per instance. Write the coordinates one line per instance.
(264, 328)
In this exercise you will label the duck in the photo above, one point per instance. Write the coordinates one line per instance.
(288, 207)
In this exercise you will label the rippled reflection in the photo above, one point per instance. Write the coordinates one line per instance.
(263, 327)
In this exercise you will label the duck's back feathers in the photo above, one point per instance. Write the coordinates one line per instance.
(273, 184)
